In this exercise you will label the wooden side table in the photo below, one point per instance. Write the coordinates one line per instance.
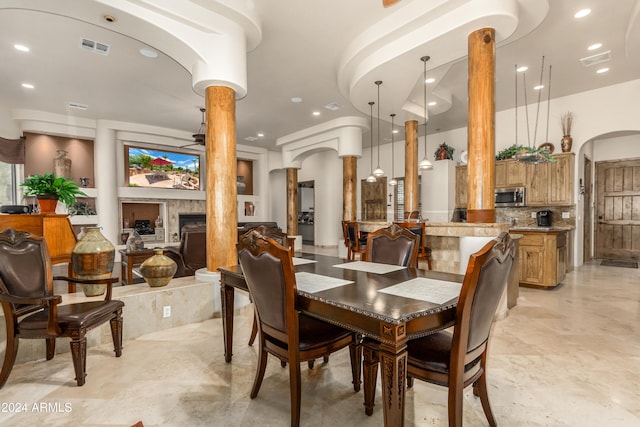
(129, 260)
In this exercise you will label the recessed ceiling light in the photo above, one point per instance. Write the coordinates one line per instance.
(430, 80)
(582, 13)
(539, 87)
(296, 99)
(316, 113)
(21, 47)
(602, 70)
(260, 134)
(250, 138)
(148, 52)
(432, 103)
(595, 46)
(522, 69)
(28, 85)
(333, 106)
(396, 131)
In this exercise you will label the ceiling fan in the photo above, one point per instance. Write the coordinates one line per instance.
(199, 137)
(387, 3)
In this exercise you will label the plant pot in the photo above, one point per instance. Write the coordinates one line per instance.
(47, 203)
(92, 258)
(158, 270)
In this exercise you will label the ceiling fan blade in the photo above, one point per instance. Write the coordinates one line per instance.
(387, 3)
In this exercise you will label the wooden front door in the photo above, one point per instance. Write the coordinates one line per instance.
(374, 200)
(587, 213)
(618, 209)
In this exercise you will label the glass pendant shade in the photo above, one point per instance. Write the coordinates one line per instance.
(378, 172)
(371, 178)
(393, 182)
(425, 164)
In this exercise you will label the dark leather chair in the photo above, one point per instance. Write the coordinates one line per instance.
(457, 360)
(393, 245)
(291, 336)
(424, 252)
(285, 241)
(345, 236)
(191, 255)
(357, 242)
(31, 310)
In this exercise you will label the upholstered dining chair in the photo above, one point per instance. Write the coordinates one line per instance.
(345, 235)
(393, 245)
(32, 311)
(357, 242)
(459, 359)
(419, 228)
(286, 241)
(290, 336)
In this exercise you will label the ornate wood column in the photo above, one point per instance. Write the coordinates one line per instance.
(481, 127)
(221, 171)
(411, 166)
(292, 201)
(349, 182)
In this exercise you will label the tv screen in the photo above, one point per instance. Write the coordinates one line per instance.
(162, 169)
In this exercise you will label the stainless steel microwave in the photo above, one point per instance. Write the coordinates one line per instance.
(510, 197)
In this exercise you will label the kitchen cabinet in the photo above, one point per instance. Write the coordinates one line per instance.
(510, 173)
(550, 184)
(461, 186)
(542, 257)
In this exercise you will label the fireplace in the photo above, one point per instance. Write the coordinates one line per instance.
(191, 219)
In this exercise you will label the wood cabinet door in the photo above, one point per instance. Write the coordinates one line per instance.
(461, 186)
(560, 180)
(510, 173)
(531, 259)
(537, 185)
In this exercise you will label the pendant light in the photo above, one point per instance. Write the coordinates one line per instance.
(393, 181)
(425, 164)
(378, 172)
(372, 177)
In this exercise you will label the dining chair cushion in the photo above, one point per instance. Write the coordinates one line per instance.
(72, 316)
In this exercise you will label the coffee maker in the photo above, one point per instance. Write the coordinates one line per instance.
(544, 218)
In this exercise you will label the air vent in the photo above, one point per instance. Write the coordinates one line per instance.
(596, 59)
(78, 106)
(251, 138)
(94, 46)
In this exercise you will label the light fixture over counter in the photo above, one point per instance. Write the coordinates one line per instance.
(378, 172)
(425, 164)
(372, 177)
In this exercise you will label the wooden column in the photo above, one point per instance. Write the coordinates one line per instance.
(481, 127)
(292, 201)
(411, 166)
(221, 171)
(349, 177)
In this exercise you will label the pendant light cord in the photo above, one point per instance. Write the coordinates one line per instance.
(516, 92)
(378, 83)
(371, 120)
(393, 116)
(548, 105)
(424, 80)
(535, 130)
(526, 109)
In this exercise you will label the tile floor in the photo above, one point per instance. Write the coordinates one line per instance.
(563, 357)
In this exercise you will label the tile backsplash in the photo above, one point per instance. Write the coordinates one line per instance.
(522, 216)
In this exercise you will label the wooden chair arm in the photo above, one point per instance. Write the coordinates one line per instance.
(53, 299)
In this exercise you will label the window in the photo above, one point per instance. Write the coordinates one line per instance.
(8, 185)
(398, 195)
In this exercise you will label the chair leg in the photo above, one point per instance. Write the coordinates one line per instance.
(10, 353)
(370, 372)
(79, 355)
(429, 263)
(310, 363)
(480, 389)
(262, 366)
(355, 352)
(116, 332)
(455, 404)
(51, 348)
(295, 390)
(254, 330)
(325, 358)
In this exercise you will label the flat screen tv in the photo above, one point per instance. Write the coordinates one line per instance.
(153, 168)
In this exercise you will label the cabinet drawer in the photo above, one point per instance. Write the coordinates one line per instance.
(532, 240)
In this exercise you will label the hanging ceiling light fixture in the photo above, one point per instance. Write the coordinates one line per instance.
(425, 164)
(378, 172)
(393, 181)
(372, 177)
(199, 137)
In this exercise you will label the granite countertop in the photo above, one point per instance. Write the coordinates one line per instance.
(542, 229)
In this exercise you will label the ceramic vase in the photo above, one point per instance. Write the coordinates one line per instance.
(92, 258)
(158, 270)
(565, 143)
(241, 186)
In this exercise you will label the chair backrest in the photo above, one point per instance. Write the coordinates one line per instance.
(393, 245)
(25, 267)
(193, 245)
(417, 228)
(354, 234)
(268, 270)
(277, 235)
(345, 234)
(483, 285)
(412, 215)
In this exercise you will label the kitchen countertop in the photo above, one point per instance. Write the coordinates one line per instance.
(542, 229)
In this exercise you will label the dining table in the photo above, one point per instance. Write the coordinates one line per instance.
(387, 304)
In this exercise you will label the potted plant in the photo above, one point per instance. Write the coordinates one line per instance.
(444, 152)
(48, 189)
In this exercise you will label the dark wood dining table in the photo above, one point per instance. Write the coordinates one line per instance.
(387, 321)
